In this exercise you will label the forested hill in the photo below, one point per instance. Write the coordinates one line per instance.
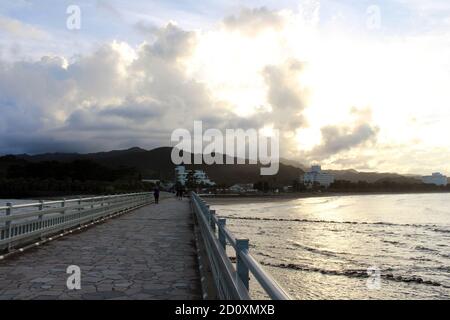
(157, 164)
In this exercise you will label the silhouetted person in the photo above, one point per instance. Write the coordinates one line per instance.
(177, 189)
(180, 192)
(156, 194)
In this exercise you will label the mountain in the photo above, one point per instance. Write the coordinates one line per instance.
(370, 177)
(356, 176)
(157, 164)
(400, 179)
(151, 164)
(294, 163)
(66, 157)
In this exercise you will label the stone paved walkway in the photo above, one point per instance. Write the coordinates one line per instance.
(146, 254)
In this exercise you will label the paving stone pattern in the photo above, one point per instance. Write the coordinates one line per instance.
(146, 254)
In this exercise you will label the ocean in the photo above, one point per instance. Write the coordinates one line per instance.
(349, 247)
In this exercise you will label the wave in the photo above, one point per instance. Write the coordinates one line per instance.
(426, 249)
(336, 222)
(423, 259)
(395, 243)
(441, 230)
(355, 273)
(267, 255)
(443, 268)
(315, 250)
(432, 251)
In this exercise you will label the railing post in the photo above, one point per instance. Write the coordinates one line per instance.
(79, 211)
(207, 211)
(63, 212)
(222, 238)
(242, 269)
(8, 223)
(92, 210)
(41, 207)
(106, 202)
(212, 222)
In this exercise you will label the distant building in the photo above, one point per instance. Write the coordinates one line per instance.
(201, 177)
(436, 179)
(243, 187)
(315, 175)
(154, 181)
(181, 176)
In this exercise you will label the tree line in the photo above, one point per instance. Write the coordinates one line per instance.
(20, 178)
(385, 186)
(355, 187)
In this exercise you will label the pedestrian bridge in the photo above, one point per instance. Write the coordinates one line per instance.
(125, 247)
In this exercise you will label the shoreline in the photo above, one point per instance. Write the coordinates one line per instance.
(226, 199)
(255, 197)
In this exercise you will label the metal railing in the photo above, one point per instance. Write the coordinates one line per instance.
(231, 283)
(25, 223)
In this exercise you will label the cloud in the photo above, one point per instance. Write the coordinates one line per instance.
(116, 96)
(336, 139)
(121, 96)
(285, 94)
(108, 8)
(146, 28)
(252, 21)
(172, 42)
(344, 137)
(18, 29)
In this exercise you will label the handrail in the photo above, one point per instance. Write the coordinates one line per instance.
(226, 278)
(35, 204)
(231, 287)
(27, 222)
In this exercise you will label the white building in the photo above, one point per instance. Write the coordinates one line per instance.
(436, 179)
(181, 175)
(315, 175)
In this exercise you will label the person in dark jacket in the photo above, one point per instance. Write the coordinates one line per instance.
(156, 194)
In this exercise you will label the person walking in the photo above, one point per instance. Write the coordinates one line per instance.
(181, 192)
(156, 194)
(177, 189)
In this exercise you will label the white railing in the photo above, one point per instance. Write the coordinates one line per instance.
(231, 283)
(25, 223)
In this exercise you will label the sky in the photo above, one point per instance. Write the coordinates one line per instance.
(349, 84)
